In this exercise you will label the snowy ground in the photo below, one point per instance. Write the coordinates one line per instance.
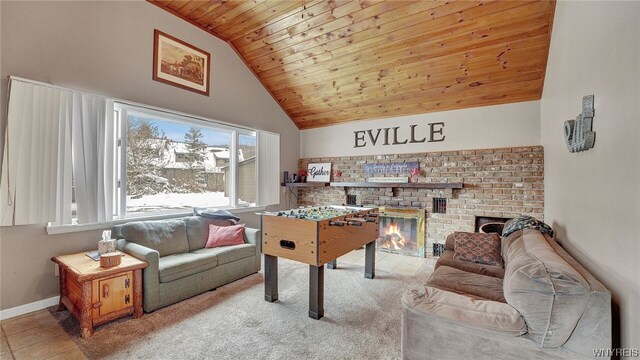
(159, 202)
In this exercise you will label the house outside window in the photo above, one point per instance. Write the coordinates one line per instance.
(172, 163)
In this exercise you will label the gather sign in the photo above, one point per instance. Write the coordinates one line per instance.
(390, 136)
(319, 172)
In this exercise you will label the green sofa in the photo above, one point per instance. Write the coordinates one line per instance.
(179, 264)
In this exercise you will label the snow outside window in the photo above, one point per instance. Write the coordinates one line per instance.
(172, 163)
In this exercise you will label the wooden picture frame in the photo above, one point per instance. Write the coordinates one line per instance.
(180, 64)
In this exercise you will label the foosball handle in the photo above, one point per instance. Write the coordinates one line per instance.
(336, 223)
(354, 223)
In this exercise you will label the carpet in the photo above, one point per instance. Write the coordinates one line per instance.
(362, 321)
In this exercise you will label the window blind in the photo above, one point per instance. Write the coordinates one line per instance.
(268, 168)
(47, 127)
(35, 185)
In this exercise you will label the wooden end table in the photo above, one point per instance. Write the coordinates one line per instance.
(95, 295)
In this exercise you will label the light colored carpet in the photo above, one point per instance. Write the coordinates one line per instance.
(362, 321)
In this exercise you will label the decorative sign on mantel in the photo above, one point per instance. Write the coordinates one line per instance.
(391, 168)
(395, 179)
(390, 136)
(319, 172)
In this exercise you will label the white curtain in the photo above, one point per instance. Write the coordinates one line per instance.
(35, 186)
(93, 148)
(51, 134)
(268, 168)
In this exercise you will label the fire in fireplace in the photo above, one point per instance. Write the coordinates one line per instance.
(402, 231)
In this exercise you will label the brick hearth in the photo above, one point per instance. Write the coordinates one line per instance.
(500, 182)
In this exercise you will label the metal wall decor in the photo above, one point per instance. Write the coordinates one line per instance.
(577, 133)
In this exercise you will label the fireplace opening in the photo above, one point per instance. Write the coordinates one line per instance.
(490, 224)
(402, 231)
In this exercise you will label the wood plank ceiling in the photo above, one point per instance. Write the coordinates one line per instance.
(334, 61)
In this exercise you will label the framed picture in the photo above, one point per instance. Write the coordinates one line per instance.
(180, 64)
(319, 172)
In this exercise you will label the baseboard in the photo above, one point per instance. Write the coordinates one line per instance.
(27, 308)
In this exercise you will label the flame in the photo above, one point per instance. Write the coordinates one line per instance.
(393, 239)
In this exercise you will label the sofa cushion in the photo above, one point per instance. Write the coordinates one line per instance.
(549, 293)
(473, 312)
(227, 254)
(467, 283)
(477, 248)
(174, 267)
(167, 237)
(447, 259)
(198, 230)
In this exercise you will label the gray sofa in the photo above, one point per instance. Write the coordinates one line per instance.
(179, 264)
(541, 305)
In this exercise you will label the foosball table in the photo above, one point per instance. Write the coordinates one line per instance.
(316, 236)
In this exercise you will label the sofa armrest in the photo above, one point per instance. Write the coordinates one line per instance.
(252, 236)
(150, 274)
(152, 257)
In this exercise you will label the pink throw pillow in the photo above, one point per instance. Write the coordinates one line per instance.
(225, 235)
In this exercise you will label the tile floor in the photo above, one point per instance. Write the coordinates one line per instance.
(38, 336)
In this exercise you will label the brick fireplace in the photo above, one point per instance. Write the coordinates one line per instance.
(500, 183)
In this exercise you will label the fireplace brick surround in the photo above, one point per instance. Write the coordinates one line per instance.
(501, 182)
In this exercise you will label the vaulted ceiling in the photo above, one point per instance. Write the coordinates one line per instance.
(333, 61)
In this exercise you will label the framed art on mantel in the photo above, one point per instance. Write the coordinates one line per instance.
(180, 64)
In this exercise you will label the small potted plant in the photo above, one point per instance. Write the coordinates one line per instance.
(302, 175)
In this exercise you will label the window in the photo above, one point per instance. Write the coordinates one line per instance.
(114, 160)
(169, 163)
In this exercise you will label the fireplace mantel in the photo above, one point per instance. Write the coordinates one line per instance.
(379, 185)
(399, 185)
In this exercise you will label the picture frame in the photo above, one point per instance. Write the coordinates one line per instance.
(180, 64)
(319, 172)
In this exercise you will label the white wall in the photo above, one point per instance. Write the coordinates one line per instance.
(106, 48)
(593, 197)
(516, 124)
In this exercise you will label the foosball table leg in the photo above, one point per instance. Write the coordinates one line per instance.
(316, 291)
(370, 260)
(333, 264)
(270, 278)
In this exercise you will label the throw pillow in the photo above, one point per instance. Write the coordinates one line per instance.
(478, 248)
(225, 235)
(525, 222)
